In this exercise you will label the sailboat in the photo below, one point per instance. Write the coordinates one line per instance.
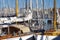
(50, 34)
(14, 31)
(9, 20)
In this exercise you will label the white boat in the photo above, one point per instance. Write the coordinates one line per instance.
(32, 37)
(9, 20)
(27, 37)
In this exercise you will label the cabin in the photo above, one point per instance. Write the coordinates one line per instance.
(14, 29)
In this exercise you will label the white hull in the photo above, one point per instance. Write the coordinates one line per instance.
(39, 37)
(44, 37)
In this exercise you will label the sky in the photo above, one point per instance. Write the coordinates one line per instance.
(11, 3)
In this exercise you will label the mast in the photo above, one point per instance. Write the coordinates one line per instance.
(17, 8)
(30, 8)
(26, 4)
(0, 27)
(43, 13)
(54, 16)
(9, 10)
(3, 6)
(43, 8)
(31, 4)
(37, 12)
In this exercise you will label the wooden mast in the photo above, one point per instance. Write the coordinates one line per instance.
(17, 8)
(54, 18)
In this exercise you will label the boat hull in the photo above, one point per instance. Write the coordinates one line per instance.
(18, 38)
(38, 37)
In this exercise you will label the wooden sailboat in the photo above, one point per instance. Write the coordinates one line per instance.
(52, 34)
(13, 32)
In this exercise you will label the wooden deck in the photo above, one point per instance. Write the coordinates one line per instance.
(10, 36)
